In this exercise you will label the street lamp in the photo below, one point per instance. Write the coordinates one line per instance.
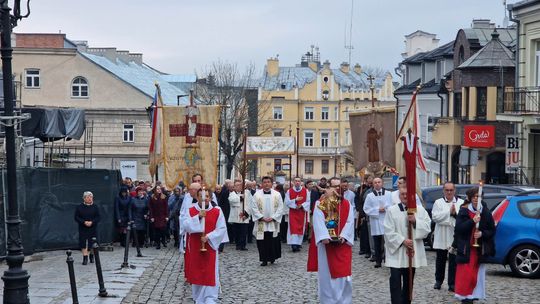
(15, 277)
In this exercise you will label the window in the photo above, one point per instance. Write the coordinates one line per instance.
(457, 104)
(308, 113)
(347, 134)
(336, 113)
(424, 80)
(278, 113)
(530, 209)
(481, 103)
(308, 139)
(324, 139)
(346, 113)
(79, 87)
(336, 138)
(324, 113)
(439, 70)
(325, 163)
(461, 55)
(129, 133)
(277, 132)
(32, 78)
(308, 166)
(277, 164)
(325, 94)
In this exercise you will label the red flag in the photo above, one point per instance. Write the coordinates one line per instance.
(411, 121)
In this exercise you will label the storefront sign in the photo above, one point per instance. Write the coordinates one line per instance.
(479, 136)
(512, 153)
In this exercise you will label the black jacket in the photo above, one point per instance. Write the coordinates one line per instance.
(464, 230)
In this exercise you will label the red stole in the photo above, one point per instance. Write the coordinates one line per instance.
(410, 169)
(297, 217)
(200, 267)
(467, 274)
(339, 256)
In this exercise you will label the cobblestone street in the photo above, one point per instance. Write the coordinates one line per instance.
(244, 281)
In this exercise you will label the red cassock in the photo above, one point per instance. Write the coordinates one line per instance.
(297, 217)
(409, 155)
(467, 274)
(200, 266)
(339, 255)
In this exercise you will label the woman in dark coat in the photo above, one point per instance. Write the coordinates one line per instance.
(474, 240)
(87, 216)
(122, 206)
(159, 215)
(139, 214)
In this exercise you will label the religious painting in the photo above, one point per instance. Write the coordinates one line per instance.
(373, 139)
(190, 143)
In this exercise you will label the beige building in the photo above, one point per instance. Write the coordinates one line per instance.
(114, 88)
(313, 101)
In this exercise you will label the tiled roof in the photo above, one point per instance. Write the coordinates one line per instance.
(289, 78)
(141, 77)
(430, 87)
(493, 54)
(446, 50)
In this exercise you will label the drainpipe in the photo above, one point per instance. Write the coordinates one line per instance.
(397, 107)
(442, 89)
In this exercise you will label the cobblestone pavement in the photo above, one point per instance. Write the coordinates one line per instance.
(158, 278)
(244, 281)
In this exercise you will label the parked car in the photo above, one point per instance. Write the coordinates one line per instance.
(517, 239)
(493, 194)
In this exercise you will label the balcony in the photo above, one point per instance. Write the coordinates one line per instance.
(323, 151)
(519, 101)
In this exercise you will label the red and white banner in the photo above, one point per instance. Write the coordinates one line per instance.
(479, 136)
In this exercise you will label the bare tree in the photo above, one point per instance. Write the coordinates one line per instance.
(377, 72)
(222, 83)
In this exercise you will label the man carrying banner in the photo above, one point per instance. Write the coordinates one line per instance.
(399, 246)
(266, 212)
(298, 201)
(330, 249)
(205, 229)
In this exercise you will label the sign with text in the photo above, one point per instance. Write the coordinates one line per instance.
(479, 136)
(512, 154)
(128, 168)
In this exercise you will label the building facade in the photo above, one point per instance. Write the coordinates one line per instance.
(311, 102)
(474, 138)
(114, 88)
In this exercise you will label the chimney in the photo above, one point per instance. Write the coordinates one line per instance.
(482, 24)
(357, 69)
(344, 67)
(326, 64)
(272, 67)
(136, 57)
(123, 56)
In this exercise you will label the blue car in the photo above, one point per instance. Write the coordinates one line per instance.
(517, 239)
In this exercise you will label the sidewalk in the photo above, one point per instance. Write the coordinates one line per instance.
(49, 278)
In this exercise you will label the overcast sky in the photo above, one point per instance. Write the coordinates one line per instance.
(182, 36)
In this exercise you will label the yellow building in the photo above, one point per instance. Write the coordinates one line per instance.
(311, 101)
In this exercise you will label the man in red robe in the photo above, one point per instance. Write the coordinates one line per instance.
(205, 229)
(298, 202)
(332, 257)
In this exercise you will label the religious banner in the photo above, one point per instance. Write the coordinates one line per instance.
(270, 146)
(373, 139)
(190, 143)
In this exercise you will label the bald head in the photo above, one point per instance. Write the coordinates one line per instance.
(377, 183)
(193, 189)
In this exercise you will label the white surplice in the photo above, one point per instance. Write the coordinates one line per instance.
(206, 294)
(395, 232)
(443, 235)
(295, 239)
(186, 204)
(339, 290)
(372, 205)
(236, 207)
(266, 205)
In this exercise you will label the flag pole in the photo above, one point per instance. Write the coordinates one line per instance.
(244, 169)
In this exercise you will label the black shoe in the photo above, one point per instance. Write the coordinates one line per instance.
(377, 265)
(451, 288)
(91, 258)
(164, 245)
(272, 262)
(368, 255)
(437, 285)
(372, 259)
(158, 247)
(361, 252)
(243, 249)
(264, 263)
(85, 260)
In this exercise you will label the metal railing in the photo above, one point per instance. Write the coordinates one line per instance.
(520, 101)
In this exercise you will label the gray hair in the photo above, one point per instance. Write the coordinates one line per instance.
(87, 193)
